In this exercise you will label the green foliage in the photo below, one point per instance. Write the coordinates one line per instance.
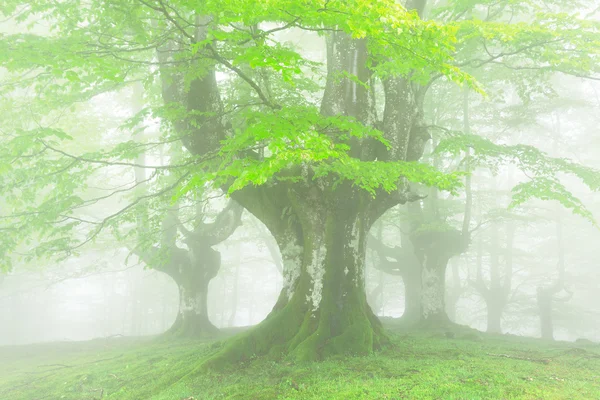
(58, 57)
(544, 172)
(298, 139)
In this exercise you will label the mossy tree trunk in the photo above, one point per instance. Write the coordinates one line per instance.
(320, 227)
(322, 309)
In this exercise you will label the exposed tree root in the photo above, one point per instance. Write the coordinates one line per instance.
(295, 332)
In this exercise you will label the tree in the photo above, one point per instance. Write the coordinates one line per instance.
(317, 167)
(402, 261)
(194, 267)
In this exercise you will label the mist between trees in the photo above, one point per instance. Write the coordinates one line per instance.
(305, 168)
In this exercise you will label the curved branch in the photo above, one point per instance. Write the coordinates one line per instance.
(404, 259)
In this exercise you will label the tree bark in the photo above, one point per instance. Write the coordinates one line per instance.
(434, 249)
(412, 295)
(193, 280)
(320, 228)
(322, 309)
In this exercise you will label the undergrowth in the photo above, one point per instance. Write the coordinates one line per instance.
(419, 365)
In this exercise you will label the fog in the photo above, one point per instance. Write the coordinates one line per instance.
(115, 226)
(109, 293)
(103, 294)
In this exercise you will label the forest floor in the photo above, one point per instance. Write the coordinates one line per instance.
(419, 366)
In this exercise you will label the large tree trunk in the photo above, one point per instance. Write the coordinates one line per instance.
(322, 309)
(319, 227)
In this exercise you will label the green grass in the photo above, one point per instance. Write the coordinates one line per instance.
(419, 366)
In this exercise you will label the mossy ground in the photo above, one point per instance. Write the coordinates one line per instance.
(420, 365)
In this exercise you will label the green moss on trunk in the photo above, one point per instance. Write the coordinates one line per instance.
(327, 313)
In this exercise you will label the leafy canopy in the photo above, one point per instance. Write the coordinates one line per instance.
(271, 91)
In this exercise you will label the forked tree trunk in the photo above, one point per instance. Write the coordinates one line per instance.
(320, 225)
(322, 309)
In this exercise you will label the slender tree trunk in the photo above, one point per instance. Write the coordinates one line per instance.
(546, 295)
(454, 292)
(544, 300)
(412, 295)
(495, 308)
